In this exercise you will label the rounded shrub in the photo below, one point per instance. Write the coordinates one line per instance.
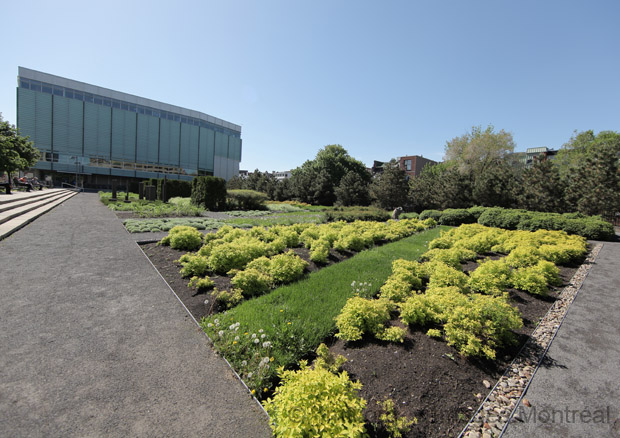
(316, 402)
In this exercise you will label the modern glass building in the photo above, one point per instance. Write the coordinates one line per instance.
(103, 134)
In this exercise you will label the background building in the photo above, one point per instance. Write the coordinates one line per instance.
(411, 164)
(542, 153)
(101, 134)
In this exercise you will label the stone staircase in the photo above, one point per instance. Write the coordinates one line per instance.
(20, 208)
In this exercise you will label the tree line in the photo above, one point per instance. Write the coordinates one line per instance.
(479, 168)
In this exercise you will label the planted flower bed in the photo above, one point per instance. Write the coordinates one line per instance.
(428, 346)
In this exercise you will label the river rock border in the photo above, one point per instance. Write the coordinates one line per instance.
(491, 418)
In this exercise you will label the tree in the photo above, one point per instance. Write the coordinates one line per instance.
(439, 187)
(390, 189)
(541, 188)
(316, 180)
(473, 152)
(594, 183)
(16, 152)
(494, 187)
(352, 190)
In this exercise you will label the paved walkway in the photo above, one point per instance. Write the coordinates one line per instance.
(93, 343)
(576, 391)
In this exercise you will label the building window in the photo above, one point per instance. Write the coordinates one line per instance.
(408, 165)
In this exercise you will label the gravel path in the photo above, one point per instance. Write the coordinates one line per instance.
(94, 343)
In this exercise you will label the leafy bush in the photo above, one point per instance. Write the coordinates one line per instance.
(286, 268)
(481, 325)
(246, 199)
(236, 254)
(319, 250)
(492, 277)
(209, 192)
(434, 214)
(522, 256)
(550, 271)
(251, 281)
(184, 238)
(442, 275)
(202, 284)
(432, 307)
(592, 227)
(394, 425)
(531, 280)
(360, 316)
(313, 402)
(351, 214)
(194, 265)
(456, 216)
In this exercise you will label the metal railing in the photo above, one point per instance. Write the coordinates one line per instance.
(72, 187)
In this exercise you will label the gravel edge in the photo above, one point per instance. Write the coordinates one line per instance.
(493, 415)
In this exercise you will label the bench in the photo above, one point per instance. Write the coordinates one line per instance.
(18, 183)
(7, 186)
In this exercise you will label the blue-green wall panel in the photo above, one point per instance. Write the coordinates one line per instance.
(169, 142)
(97, 130)
(68, 126)
(123, 135)
(221, 145)
(26, 107)
(189, 147)
(148, 139)
(207, 149)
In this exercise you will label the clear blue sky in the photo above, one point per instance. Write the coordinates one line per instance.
(381, 78)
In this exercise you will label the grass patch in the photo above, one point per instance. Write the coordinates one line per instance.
(296, 318)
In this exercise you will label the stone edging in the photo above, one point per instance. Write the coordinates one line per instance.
(493, 415)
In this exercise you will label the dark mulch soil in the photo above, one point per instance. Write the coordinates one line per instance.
(164, 258)
(427, 379)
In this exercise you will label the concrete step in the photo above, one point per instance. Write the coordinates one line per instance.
(10, 226)
(11, 203)
(17, 209)
(20, 196)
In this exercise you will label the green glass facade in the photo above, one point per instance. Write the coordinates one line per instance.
(94, 131)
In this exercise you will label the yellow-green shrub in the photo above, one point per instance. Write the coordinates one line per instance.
(530, 280)
(316, 403)
(286, 268)
(236, 254)
(441, 275)
(396, 289)
(550, 271)
(319, 251)
(432, 307)
(360, 316)
(252, 281)
(202, 284)
(491, 277)
(482, 324)
(194, 265)
(183, 237)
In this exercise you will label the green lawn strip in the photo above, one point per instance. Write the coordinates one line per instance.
(296, 318)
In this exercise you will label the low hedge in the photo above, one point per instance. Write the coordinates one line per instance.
(246, 200)
(590, 227)
(352, 214)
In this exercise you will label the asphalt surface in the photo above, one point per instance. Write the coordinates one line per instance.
(576, 391)
(93, 342)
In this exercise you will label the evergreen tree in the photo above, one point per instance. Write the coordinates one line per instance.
(352, 190)
(390, 189)
(541, 188)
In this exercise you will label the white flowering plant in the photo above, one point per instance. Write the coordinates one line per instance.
(248, 353)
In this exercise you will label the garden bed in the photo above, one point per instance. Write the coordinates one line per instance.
(425, 377)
